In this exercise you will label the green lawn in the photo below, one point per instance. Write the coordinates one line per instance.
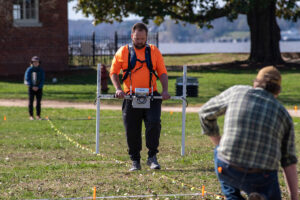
(204, 58)
(82, 88)
(40, 161)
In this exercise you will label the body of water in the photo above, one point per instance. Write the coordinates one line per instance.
(212, 47)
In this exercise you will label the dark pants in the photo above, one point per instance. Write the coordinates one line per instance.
(38, 94)
(132, 118)
(233, 180)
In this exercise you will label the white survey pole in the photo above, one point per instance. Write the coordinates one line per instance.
(107, 96)
(98, 106)
(184, 80)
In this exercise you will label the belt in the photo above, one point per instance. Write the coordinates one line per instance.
(248, 170)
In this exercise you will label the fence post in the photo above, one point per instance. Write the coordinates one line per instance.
(157, 40)
(70, 50)
(116, 41)
(94, 47)
(70, 55)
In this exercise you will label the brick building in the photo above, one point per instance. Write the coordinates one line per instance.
(33, 27)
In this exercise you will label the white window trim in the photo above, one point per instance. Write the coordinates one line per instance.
(29, 22)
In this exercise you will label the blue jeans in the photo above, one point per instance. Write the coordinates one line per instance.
(233, 180)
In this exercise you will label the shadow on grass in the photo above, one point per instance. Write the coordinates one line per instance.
(289, 99)
(71, 119)
(235, 67)
(68, 92)
(89, 76)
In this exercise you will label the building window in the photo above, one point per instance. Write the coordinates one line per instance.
(26, 13)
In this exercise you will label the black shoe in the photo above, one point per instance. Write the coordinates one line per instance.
(255, 196)
(152, 162)
(135, 166)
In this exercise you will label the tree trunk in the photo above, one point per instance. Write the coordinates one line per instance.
(265, 33)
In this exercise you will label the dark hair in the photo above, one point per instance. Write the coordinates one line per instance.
(268, 85)
(31, 62)
(139, 26)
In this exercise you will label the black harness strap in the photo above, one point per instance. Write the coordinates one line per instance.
(132, 62)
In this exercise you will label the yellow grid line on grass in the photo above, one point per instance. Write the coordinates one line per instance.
(78, 145)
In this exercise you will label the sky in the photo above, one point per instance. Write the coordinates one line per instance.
(76, 16)
(72, 14)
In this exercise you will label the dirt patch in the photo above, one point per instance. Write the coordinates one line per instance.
(65, 104)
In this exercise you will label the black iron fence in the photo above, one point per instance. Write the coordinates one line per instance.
(92, 49)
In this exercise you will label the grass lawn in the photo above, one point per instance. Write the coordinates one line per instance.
(38, 161)
(82, 87)
(204, 58)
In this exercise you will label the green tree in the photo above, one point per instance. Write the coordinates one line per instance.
(261, 17)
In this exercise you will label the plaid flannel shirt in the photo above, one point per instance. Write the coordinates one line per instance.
(258, 130)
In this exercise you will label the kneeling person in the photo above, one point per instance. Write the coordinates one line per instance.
(258, 136)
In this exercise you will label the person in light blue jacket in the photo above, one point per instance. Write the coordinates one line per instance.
(34, 79)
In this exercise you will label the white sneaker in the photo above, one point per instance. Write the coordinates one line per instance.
(135, 166)
(152, 162)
